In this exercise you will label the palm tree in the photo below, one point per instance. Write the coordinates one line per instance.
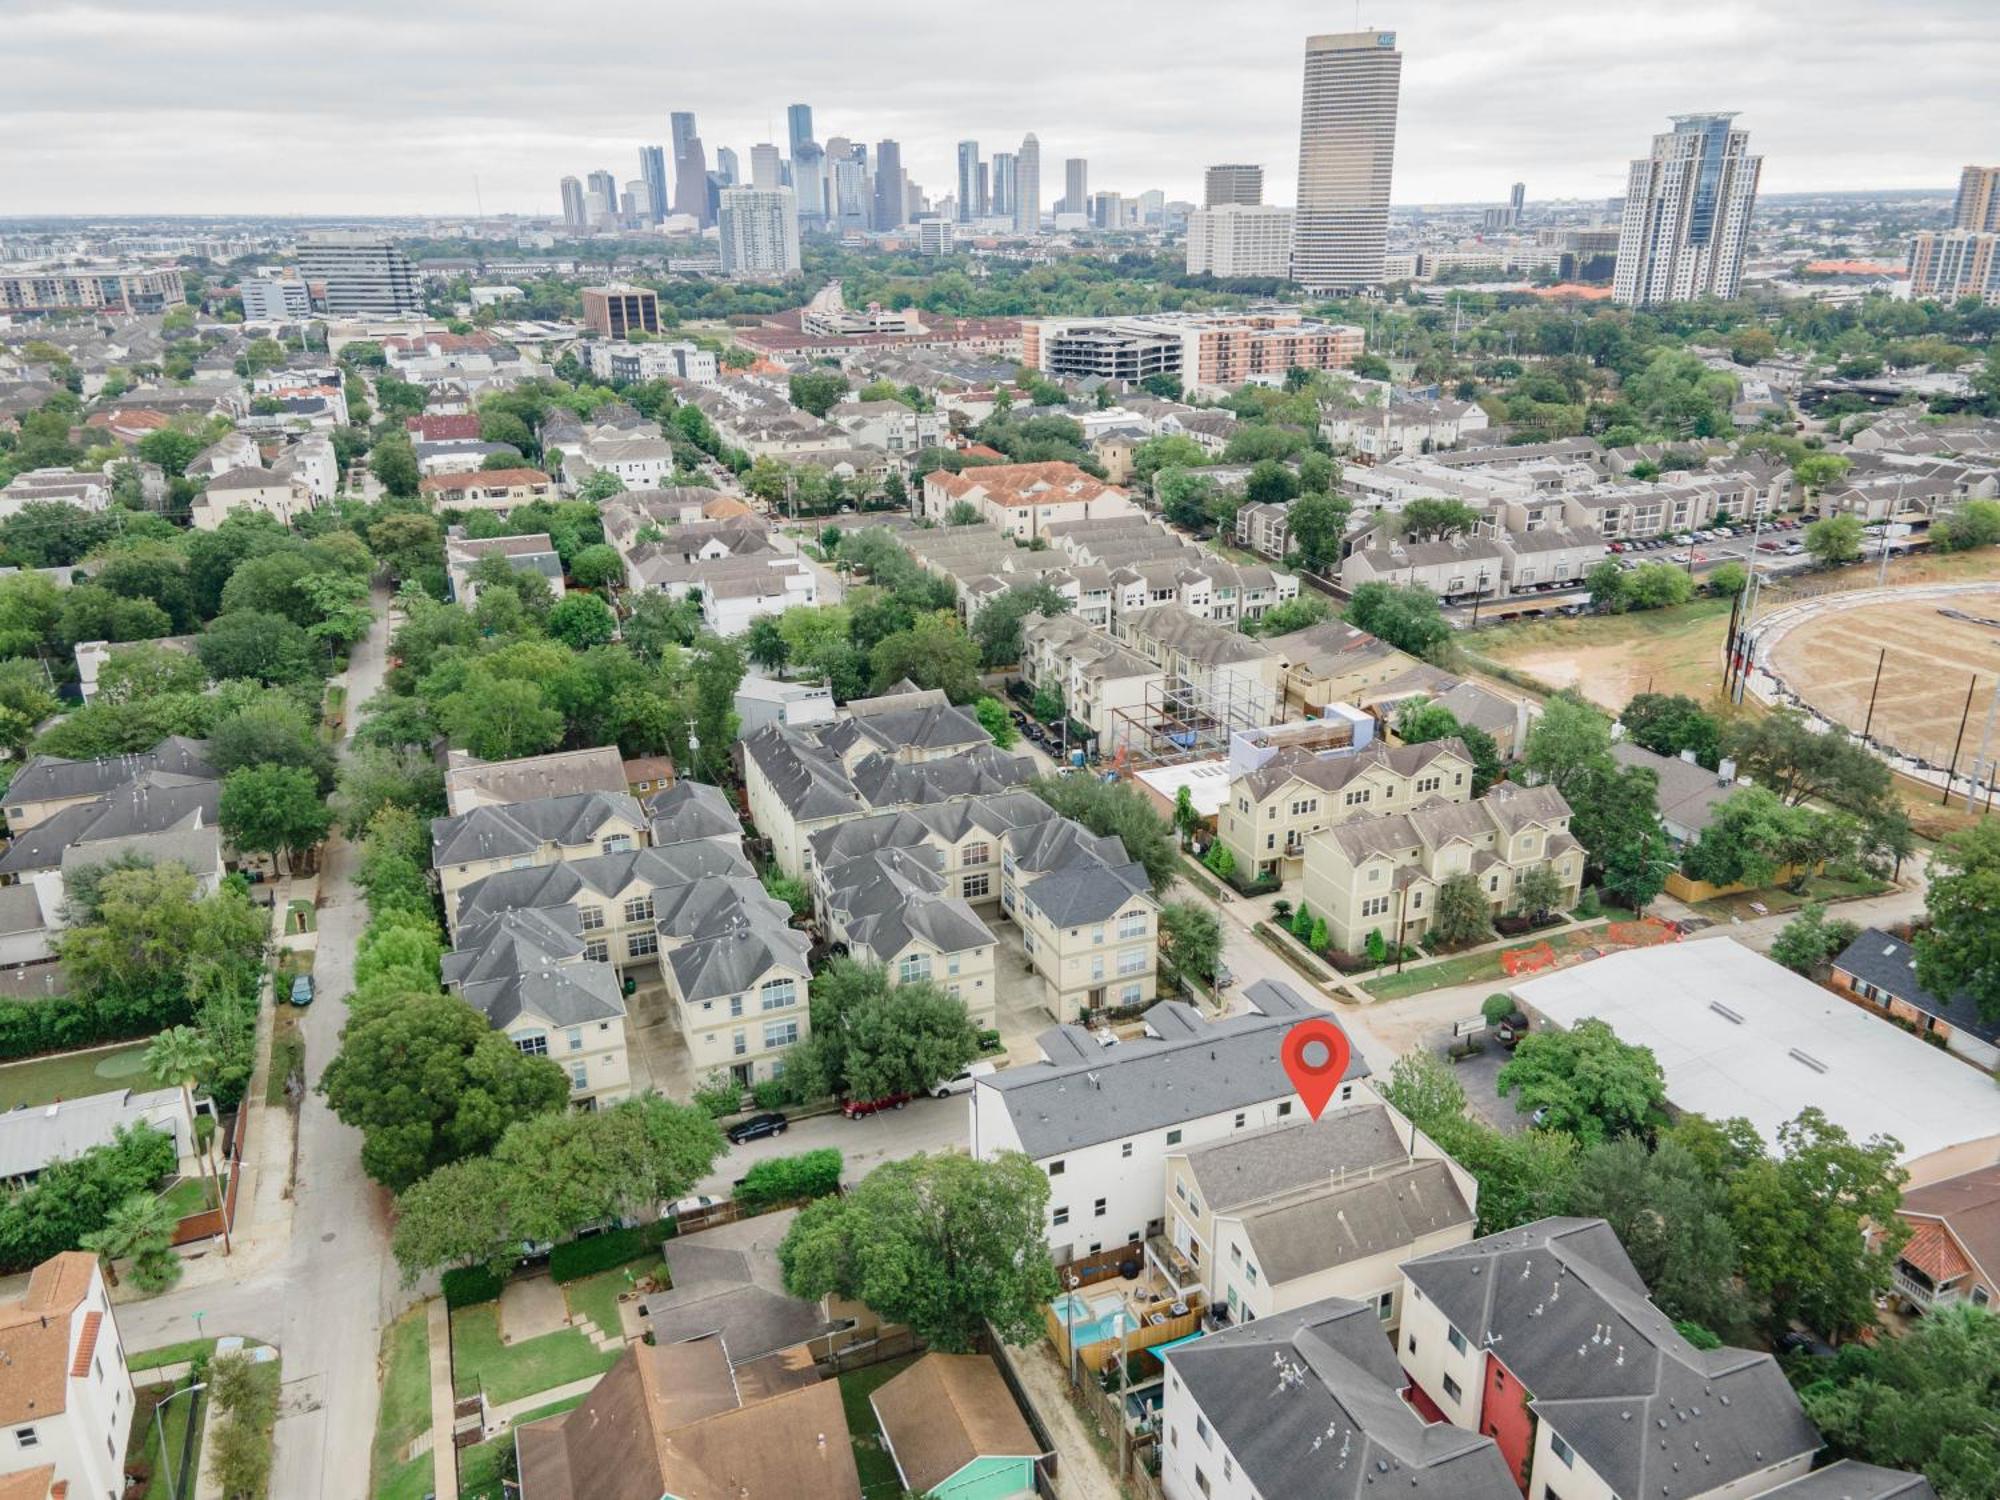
(182, 1054)
(140, 1227)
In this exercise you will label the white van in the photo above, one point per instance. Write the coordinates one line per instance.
(962, 1082)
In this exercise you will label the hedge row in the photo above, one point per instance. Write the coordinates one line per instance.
(467, 1286)
(62, 1022)
(785, 1179)
(574, 1259)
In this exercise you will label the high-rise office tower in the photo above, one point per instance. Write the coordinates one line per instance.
(759, 232)
(1687, 214)
(891, 207)
(363, 272)
(690, 169)
(853, 195)
(809, 183)
(1076, 186)
(1152, 206)
(765, 169)
(1347, 151)
(971, 187)
(1978, 200)
(601, 201)
(575, 215)
(635, 204)
(1028, 186)
(1233, 182)
(1517, 201)
(799, 126)
(653, 167)
(985, 192)
(1001, 203)
(728, 171)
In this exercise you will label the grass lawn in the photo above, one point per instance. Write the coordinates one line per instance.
(871, 1454)
(1776, 900)
(288, 1051)
(168, 1354)
(75, 1075)
(191, 1195)
(1469, 968)
(596, 1297)
(406, 1393)
(507, 1372)
(173, 1423)
(406, 1481)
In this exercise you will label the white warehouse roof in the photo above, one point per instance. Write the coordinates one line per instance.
(1737, 1034)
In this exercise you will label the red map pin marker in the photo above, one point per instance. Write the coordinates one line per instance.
(1315, 1055)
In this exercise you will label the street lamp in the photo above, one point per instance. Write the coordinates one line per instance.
(160, 1430)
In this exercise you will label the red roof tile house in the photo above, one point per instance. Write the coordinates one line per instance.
(1953, 1253)
(497, 490)
(1023, 500)
(65, 1394)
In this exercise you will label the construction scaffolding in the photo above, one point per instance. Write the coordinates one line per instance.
(1180, 720)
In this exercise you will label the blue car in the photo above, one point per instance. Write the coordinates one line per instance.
(302, 990)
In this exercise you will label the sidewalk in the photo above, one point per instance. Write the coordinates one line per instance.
(509, 1412)
(444, 1403)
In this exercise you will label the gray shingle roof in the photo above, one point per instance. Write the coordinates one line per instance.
(530, 963)
(1849, 1480)
(1255, 1164)
(1650, 1413)
(690, 810)
(1890, 964)
(1188, 1069)
(51, 778)
(156, 802)
(523, 827)
(1334, 1433)
(728, 964)
(883, 899)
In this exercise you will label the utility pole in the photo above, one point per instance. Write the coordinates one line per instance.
(1951, 770)
(1868, 723)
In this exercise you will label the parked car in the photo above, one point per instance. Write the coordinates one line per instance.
(302, 990)
(854, 1109)
(681, 1207)
(1223, 978)
(1681, 557)
(962, 1081)
(757, 1127)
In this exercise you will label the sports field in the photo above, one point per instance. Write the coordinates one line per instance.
(1929, 651)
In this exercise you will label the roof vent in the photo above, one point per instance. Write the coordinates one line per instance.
(1808, 1059)
(1733, 1017)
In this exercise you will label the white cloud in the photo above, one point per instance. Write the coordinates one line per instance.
(377, 107)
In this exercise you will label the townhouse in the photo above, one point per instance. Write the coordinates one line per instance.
(467, 847)
(1021, 500)
(635, 511)
(1545, 1339)
(888, 424)
(1455, 568)
(533, 553)
(1274, 808)
(495, 490)
(470, 782)
(1377, 434)
(1333, 662)
(1097, 679)
(49, 784)
(1100, 1119)
(1473, 704)
(1267, 1221)
(249, 490)
(1239, 671)
(1309, 1402)
(1265, 528)
(1541, 557)
(1207, 587)
(1382, 873)
(1685, 502)
(1087, 916)
(66, 1397)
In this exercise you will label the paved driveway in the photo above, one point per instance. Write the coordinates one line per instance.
(654, 1048)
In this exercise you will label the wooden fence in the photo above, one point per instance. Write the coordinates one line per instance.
(209, 1223)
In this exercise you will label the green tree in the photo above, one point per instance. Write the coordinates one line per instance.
(271, 730)
(597, 565)
(600, 487)
(1461, 915)
(1538, 891)
(393, 462)
(274, 809)
(142, 671)
(1668, 723)
(1419, 722)
(997, 626)
(1425, 520)
(1959, 951)
(1270, 483)
(944, 1244)
(1606, 583)
(172, 449)
(935, 652)
(818, 391)
(1116, 810)
(1784, 752)
(1726, 580)
(140, 1229)
(1172, 451)
(1800, 1217)
(1187, 498)
(263, 647)
(1293, 614)
(872, 1037)
(1816, 471)
(1570, 743)
(428, 1082)
(996, 721)
(501, 719)
(1656, 586)
(1317, 524)
(1190, 941)
(715, 672)
(1591, 1085)
(1809, 939)
(764, 644)
(1976, 523)
(1407, 616)
(1834, 540)
(183, 1056)
(581, 621)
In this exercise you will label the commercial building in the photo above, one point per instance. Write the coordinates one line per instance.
(1347, 151)
(1240, 239)
(971, 183)
(760, 232)
(1076, 186)
(1101, 1120)
(1025, 197)
(889, 186)
(653, 172)
(272, 300)
(689, 363)
(1736, 1034)
(934, 237)
(65, 1393)
(362, 272)
(619, 311)
(1209, 352)
(125, 291)
(1955, 263)
(1687, 214)
(690, 169)
(1000, 202)
(1232, 182)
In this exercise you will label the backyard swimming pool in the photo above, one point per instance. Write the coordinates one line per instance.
(1095, 1320)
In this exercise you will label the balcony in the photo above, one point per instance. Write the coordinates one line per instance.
(1178, 1274)
(1916, 1288)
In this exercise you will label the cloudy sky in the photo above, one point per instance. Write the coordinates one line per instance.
(394, 106)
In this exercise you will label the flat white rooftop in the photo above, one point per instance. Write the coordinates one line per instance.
(1737, 1034)
(1207, 782)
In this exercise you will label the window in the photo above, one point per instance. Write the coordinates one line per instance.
(1097, 933)
(1284, 1108)
(914, 967)
(1305, 805)
(776, 994)
(640, 944)
(1493, 881)
(1562, 1451)
(618, 843)
(739, 1043)
(735, 1006)
(1457, 1339)
(574, 1036)
(1251, 1272)
(590, 918)
(780, 1033)
(1173, 1137)
(1451, 1389)
(579, 1076)
(1239, 1120)
(1061, 1214)
(1375, 906)
(1097, 1209)
(1097, 966)
(978, 886)
(597, 950)
(1201, 1480)
(639, 909)
(27, 1437)
(1056, 1168)
(1385, 1306)
(1132, 925)
(1429, 783)
(1413, 1344)
(1130, 994)
(1201, 1431)
(533, 1043)
(1132, 960)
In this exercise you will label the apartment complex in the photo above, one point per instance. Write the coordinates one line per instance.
(1382, 873)
(1955, 263)
(362, 272)
(1213, 352)
(1687, 214)
(1023, 500)
(1232, 182)
(131, 290)
(1275, 807)
(1978, 206)
(1240, 239)
(1347, 152)
(64, 1387)
(274, 300)
(496, 490)
(759, 232)
(619, 311)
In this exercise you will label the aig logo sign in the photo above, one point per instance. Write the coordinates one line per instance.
(1385, 38)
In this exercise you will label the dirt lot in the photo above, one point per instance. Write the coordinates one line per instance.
(1930, 659)
(1609, 658)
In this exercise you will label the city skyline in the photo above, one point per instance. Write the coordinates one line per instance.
(1556, 104)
